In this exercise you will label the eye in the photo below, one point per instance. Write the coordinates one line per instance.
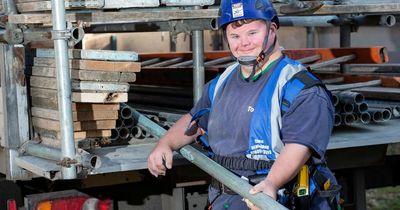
(253, 32)
(234, 36)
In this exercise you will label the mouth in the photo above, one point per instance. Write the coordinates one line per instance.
(246, 52)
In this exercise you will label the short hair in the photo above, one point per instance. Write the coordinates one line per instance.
(241, 22)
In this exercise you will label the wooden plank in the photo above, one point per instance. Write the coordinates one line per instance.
(52, 104)
(116, 4)
(103, 76)
(87, 1)
(327, 9)
(53, 142)
(118, 17)
(44, 103)
(41, 44)
(43, 82)
(103, 87)
(35, 6)
(77, 134)
(44, 93)
(105, 55)
(161, 14)
(78, 126)
(29, 6)
(94, 107)
(114, 66)
(76, 115)
(80, 86)
(79, 142)
(25, 1)
(2, 140)
(187, 2)
(87, 75)
(51, 95)
(100, 97)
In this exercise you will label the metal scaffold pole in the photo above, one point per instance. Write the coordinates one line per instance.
(345, 41)
(198, 63)
(60, 35)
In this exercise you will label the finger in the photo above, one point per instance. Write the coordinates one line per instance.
(249, 204)
(153, 172)
(159, 169)
(156, 172)
(154, 168)
(257, 188)
(168, 160)
(159, 162)
(150, 166)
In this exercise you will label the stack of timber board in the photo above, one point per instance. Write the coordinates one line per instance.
(99, 82)
(2, 142)
(40, 5)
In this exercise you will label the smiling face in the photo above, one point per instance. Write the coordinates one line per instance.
(247, 39)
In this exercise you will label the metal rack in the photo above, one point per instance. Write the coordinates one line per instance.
(99, 17)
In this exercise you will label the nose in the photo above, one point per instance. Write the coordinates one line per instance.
(245, 41)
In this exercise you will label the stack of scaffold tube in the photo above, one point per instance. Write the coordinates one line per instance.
(127, 128)
(352, 108)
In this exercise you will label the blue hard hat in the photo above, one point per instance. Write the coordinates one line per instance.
(234, 10)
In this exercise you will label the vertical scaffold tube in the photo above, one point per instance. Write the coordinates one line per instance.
(63, 85)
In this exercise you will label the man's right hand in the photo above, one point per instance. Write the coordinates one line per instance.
(160, 159)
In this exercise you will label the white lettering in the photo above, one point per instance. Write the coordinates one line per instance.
(258, 141)
(250, 109)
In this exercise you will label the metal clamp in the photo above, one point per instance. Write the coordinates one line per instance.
(67, 162)
(12, 36)
(60, 34)
(73, 35)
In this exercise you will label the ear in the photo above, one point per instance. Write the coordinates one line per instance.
(274, 27)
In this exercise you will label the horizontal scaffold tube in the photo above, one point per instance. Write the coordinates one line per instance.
(39, 150)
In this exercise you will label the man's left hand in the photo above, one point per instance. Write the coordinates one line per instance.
(265, 187)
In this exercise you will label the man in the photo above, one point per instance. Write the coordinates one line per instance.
(264, 115)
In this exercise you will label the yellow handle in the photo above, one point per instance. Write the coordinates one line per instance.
(303, 182)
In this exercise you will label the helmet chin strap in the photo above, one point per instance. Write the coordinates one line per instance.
(262, 57)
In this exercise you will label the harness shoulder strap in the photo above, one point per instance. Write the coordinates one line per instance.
(300, 81)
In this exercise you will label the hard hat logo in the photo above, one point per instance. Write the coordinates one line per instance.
(237, 10)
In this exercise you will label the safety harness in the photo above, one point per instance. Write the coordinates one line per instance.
(299, 81)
